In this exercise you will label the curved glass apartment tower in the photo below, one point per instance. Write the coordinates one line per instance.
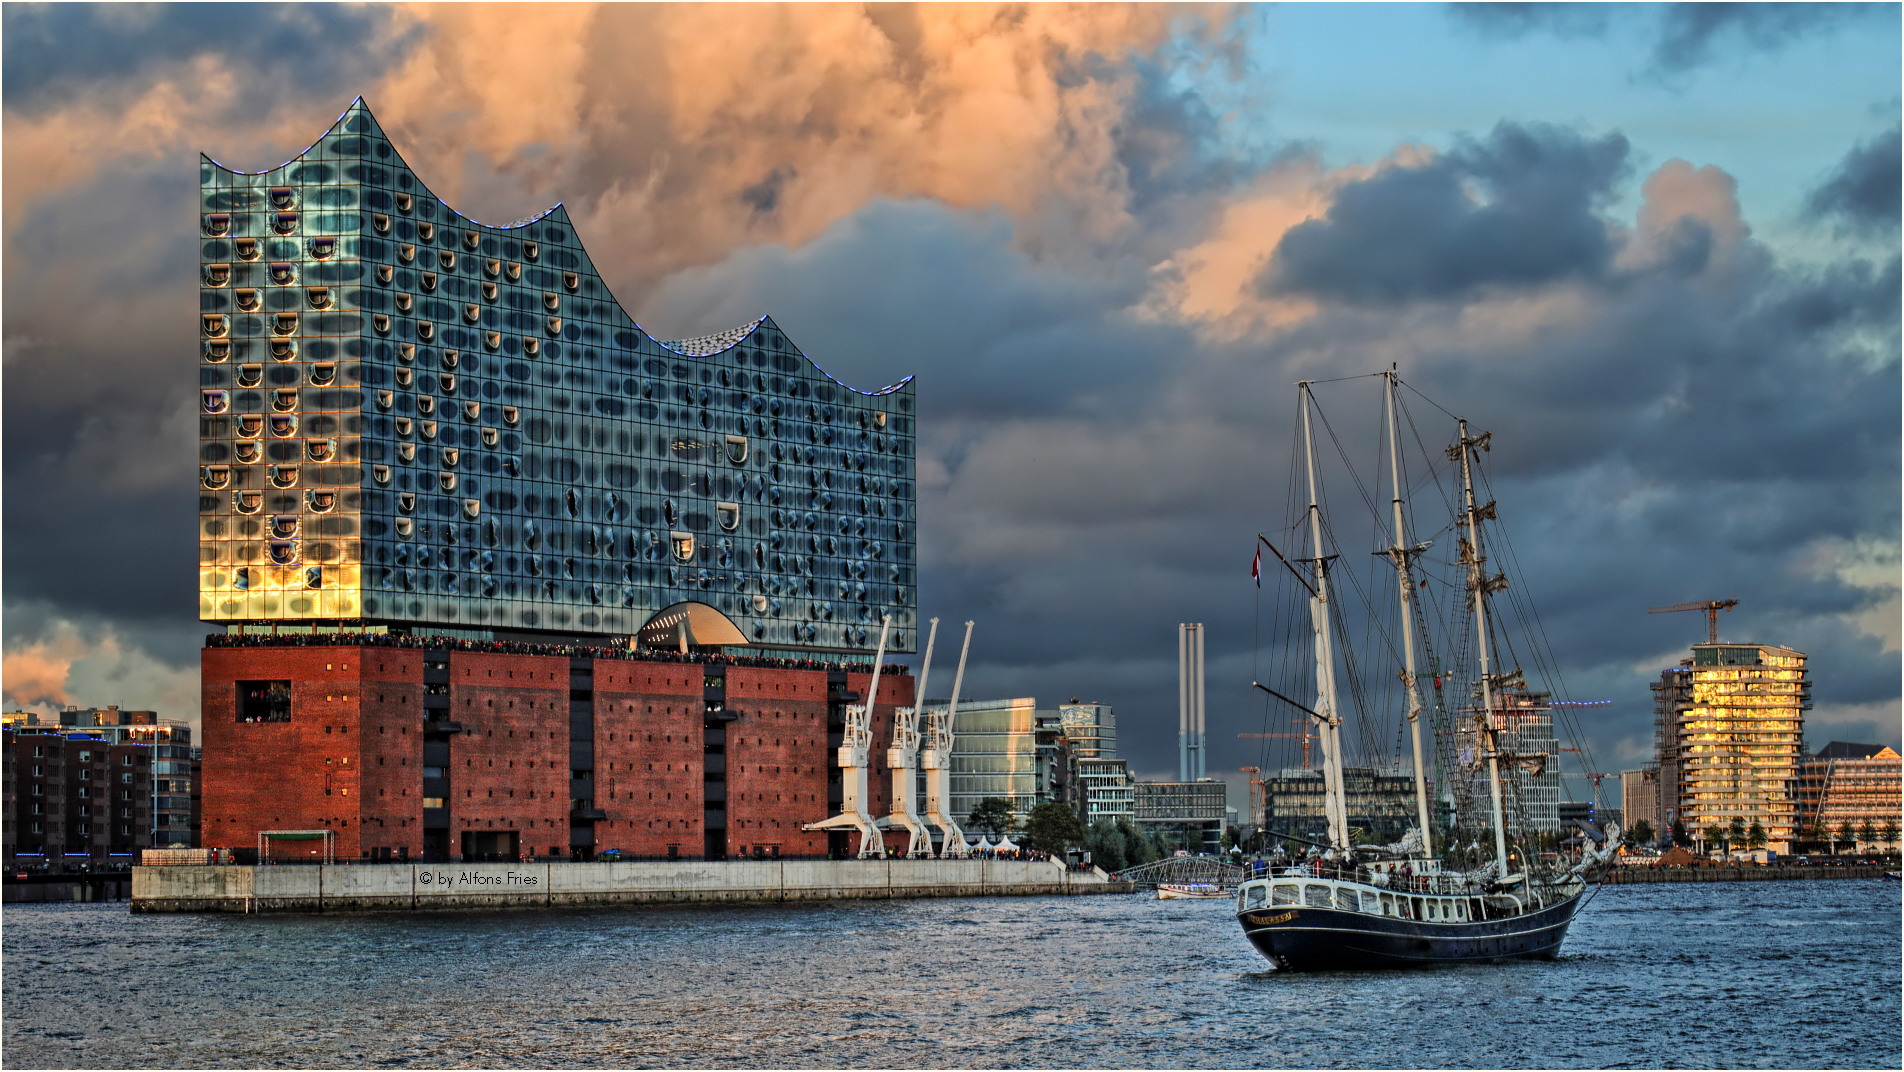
(415, 420)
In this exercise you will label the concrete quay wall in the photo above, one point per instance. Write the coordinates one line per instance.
(1623, 875)
(391, 887)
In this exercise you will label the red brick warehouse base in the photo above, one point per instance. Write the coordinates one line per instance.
(474, 754)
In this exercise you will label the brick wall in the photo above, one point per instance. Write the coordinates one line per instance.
(648, 756)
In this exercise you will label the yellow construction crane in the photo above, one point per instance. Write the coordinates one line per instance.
(1712, 607)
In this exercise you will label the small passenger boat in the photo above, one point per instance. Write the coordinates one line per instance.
(1167, 891)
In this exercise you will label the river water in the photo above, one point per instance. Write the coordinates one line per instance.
(1748, 974)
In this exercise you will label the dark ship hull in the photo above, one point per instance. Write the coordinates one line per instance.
(1302, 938)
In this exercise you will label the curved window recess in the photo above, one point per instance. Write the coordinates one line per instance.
(241, 578)
(492, 268)
(737, 449)
(571, 280)
(472, 312)
(574, 502)
(514, 271)
(320, 450)
(216, 326)
(215, 401)
(406, 452)
(426, 231)
(381, 323)
(489, 290)
(425, 330)
(214, 477)
(285, 324)
(284, 476)
(446, 260)
(448, 380)
(314, 577)
(511, 467)
(405, 376)
(472, 410)
(531, 251)
(217, 275)
(451, 357)
(490, 436)
(386, 399)
(510, 415)
(404, 426)
(246, 299)
(318, 297)
(406, 501)
(246, 248)
(425, 404)
(551, 301)
(283, 197)
(246, 451)
(471, 240)
(450, 454)
(427, 429)
(683, 545)
(405, 527)
(324, 373)
(446, 481)
(406, 253)
(320, 502)
(247, 502)
(404, 203)
(406, 352)
(283, 425)
(284, 552)
(282, 273)
(380, 223)
(218, 224)
(492, 340)
(250, 375)
(729, 515)
(285, 399)
(531, 345)
(250, 425)
(404, 303)
(216, 352)
(472, 508)
(284, 223)
(668, 513)
(380, 474)
(284, 349)
(385, 273)
(555, 325)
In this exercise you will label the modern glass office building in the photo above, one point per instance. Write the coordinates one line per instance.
(415, 421)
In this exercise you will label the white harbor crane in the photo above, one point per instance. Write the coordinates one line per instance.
(855, 750)
(936, 760)
(903, 759)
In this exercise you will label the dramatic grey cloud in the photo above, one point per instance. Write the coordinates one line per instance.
(1864, 189)
(1682, 36)
(1518, 208)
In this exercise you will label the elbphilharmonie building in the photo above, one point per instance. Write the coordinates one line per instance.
(414, 421)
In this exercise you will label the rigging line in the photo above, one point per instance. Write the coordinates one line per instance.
(1426, 399)
(1341, 379)
(1285, 561)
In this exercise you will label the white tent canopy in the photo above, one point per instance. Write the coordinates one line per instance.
(1006, 844)
(983, 845)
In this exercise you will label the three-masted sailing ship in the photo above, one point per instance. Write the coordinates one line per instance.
(1356, 906)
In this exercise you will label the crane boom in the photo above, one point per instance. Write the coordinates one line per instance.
(1712, 607)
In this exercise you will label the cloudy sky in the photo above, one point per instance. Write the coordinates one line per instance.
(1654, 250)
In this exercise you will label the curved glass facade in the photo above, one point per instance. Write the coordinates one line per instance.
(409, 417)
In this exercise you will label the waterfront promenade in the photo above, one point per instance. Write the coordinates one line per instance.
(392, 887)
(1624, 875)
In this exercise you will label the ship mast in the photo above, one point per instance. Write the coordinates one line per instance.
(1399, 553)
(1486, 720)
(1327, 715)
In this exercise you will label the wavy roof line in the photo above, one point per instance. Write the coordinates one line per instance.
(699, 346)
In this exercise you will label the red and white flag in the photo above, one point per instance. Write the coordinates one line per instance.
(1256, 567)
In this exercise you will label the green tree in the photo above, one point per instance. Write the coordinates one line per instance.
(1755, 836)
(992, 815)
(1105, 842)
(1053, 827)
(1843, 833)
(1641, 833)
(1735, 831)
(1229, 839)
(1678, 831)
(1867, 832)
(1715, 835)
(1140, 847)
(1889, 833)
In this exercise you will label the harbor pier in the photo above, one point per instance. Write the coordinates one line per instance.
(400, 887)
